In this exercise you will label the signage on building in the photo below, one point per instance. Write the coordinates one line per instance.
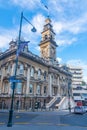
(13, 79)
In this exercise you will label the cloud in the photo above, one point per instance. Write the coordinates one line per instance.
(64, 42)
(80, 63)
(59, 59)
(74, 26)
(28, 4)
(6, 36)
(34, 38)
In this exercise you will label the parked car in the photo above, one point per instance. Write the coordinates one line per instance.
(85, 107)
(79, 110)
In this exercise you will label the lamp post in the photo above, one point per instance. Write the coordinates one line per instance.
(9, 124)
(69, 105)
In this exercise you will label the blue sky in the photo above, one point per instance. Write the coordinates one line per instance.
(69, 20)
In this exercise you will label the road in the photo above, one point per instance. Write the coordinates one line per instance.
(44, 120)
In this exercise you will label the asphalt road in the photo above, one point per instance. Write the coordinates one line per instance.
(75, 120)
(45, 119)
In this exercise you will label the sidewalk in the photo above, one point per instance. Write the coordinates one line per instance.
(58, 112)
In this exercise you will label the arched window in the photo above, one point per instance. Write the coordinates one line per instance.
(39, 74)
(45, 89)
(19, 88)
(45, 75)
(31, 88)
(38, 89)
(32, 72)
(46, 37)
(9, 69)
(6, 87)
(21, 69)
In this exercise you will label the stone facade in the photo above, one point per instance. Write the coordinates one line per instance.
(41, 77)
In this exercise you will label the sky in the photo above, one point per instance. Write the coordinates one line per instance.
(69, 20)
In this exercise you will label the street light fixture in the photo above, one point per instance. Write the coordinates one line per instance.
(16, 64)
(69, 105)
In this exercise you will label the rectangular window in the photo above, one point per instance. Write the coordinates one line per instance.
(32, 72)
(31, 88)
(21, 69)
(6, 87)
(38, 89)
(44, 89)
(39, 74)
(19, 88)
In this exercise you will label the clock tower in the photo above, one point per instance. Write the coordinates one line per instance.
(48, 44)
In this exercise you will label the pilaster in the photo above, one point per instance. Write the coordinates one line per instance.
(28, 81)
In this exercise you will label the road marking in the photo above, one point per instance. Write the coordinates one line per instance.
(62, 124)
(24, 123)
(2, 123)
(47, 123)
(17, 116)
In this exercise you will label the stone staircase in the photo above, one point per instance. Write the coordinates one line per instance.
(53, 102)
(53, 106)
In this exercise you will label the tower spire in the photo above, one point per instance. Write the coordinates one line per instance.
(48, 44)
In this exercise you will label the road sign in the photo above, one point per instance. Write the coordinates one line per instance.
(15, 80)
(12, 79)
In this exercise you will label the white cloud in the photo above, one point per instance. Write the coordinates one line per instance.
(38, 21)
(6, 36)
(28, 4)
(59, 59)
(64, 42)
(37, 48)
(74, 26)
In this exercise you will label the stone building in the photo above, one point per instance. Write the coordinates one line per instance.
(39, 78)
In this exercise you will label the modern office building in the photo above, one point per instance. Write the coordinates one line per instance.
(77, 75)
(38, 78)
(79, 91)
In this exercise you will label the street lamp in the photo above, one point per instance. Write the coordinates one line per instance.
(16, 64)
(69, 105)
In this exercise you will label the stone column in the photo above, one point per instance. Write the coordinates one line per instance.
(28, 80)
(42, 89)
(9, 88)
(13, 69)
(50, 85)
(58, 83)
(3, 74)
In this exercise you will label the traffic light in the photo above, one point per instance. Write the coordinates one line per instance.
(36, 105)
